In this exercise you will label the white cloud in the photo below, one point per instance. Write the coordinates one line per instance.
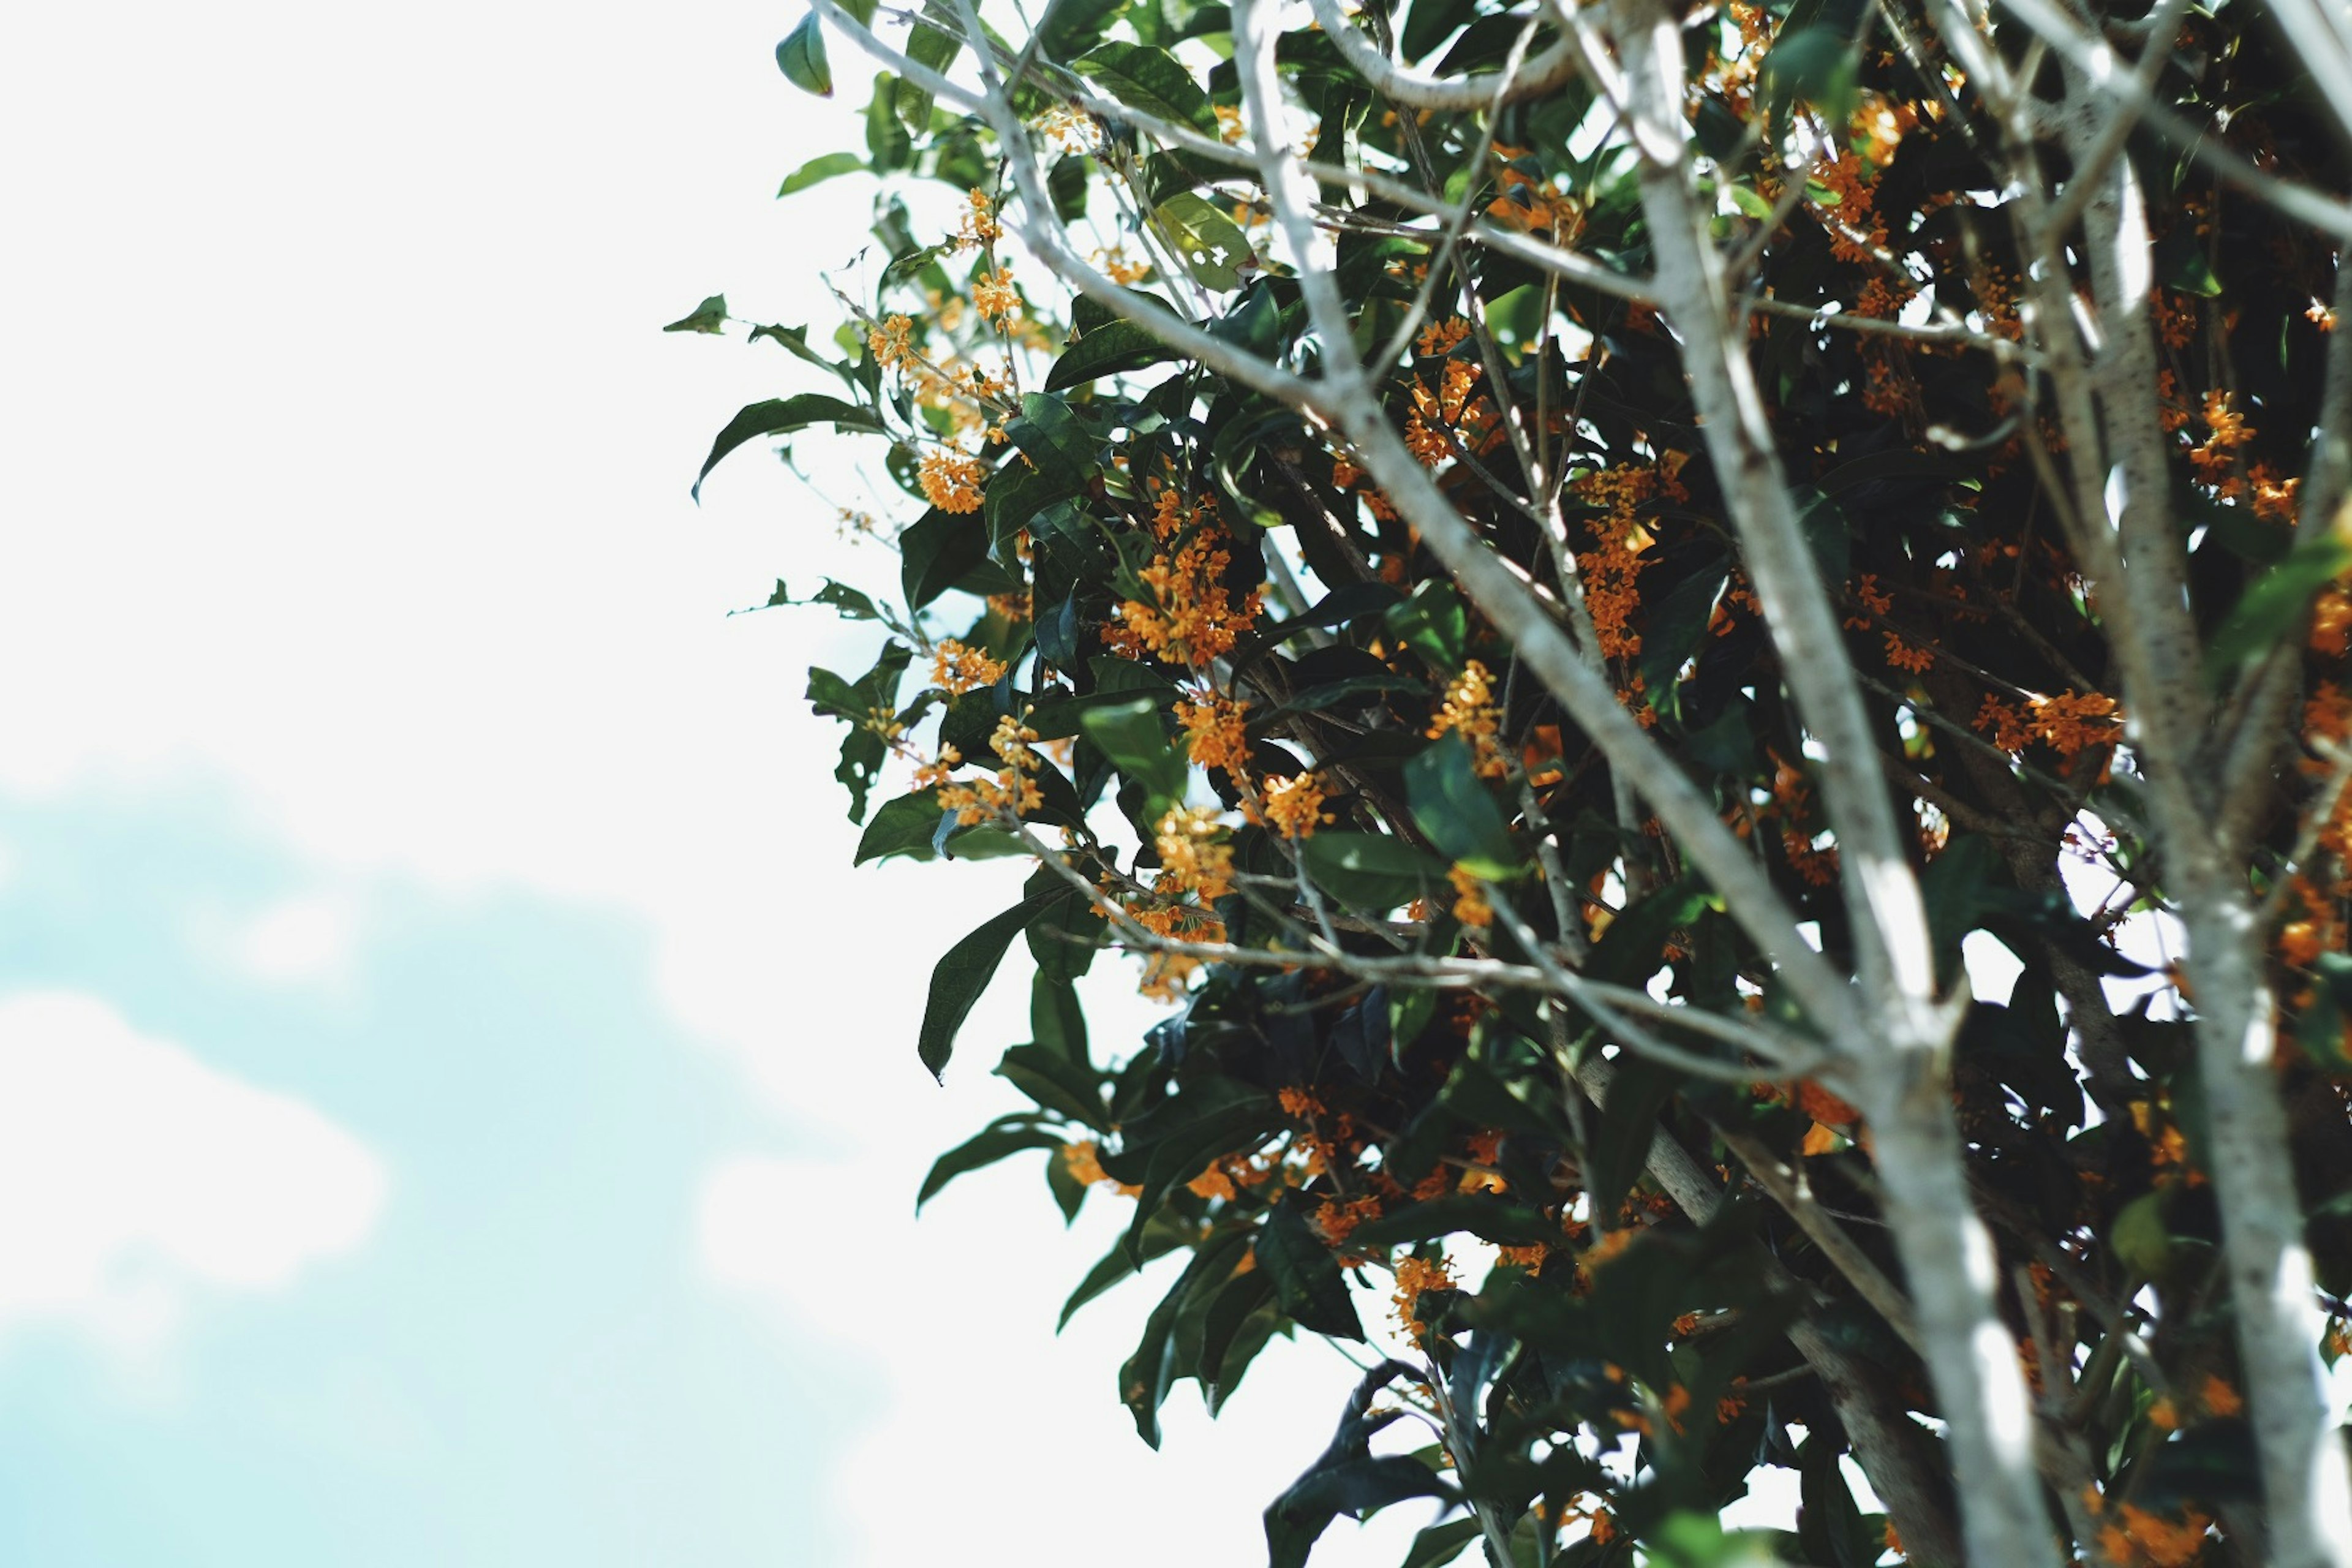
(132, 1175)
(1013, 1439)
(307, 939)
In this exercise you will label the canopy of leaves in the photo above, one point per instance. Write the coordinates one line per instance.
(1464, 1054)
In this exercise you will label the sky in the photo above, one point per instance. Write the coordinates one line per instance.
(457, 1104)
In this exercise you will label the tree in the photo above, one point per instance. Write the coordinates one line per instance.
(1548, 571)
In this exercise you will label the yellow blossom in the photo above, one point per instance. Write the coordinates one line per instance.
(951, 481)
(1469, 709)
(956, 669)
(1295, 806)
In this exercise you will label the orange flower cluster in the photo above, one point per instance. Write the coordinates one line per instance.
(2331, 624)
(951, 480)
(2070, 723)
(979, 228)
(1214, 731)
(1120, 268)
(1164, 974)
(1609, 569)
(1873, 599)
(1857, 234)
(2138, 1538)
(1338, 1220)
(2229, 430)
(1193, 855)
(1413, 1276)
(956, 669)
(1791, 795)
(1192, 618)
(1441, 337)
(1469, 708)
(1451, 407)
(994, 294)
(1470, 905)
(1014, 790)
(1294, 806)
(1528, 202)
(1083, 1161)
(2275, 497)
(892, 342)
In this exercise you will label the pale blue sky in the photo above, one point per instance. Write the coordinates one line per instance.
(516, 1367)
(462, 1099)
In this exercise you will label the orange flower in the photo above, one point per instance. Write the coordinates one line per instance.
(1469, 708)
(1193, 857)
(1470, 905)
(1191, 617)
(2219, 1398)
(1214, 731)
(979, 228)
(1414, 1276)
(1295, 806)
(994, 295)
(956, 669)
(891, 341)
(951, 480)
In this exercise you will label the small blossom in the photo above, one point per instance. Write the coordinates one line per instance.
(892, 342)
(951, 480)
(956, 669)
(1295, 806)
(1470, 904)
(994, 294)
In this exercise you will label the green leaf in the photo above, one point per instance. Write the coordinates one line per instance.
(1184, 1152)
(801, 56)
(781, 416)
(1498, 1220)
(1879, 466)
(1675, 630)
(1109, 1270)
(1144, 1380)
(877, 691)
(935, 552)
(1369, 871)
(1050, 436)
(1441, 1543)
(794, 341)
(1055, 1020)
(1357, 1485)
(888, 148)
(817, 169)
(1132, 735)
(1434, 623)
(926, 46)
(961, 976)
(901, 826)
(2273, 605)
(1455, 812)
(1306, 1280)
(1151, 81)
(1005, 1135)
(1625, 1126)
(1056, 1083)
(1238, 1300)
(1070, 28)
(1205, 239)
(1815, 64)
(1826, 531)
(1112, 349)
(710, 316)
(2141, 1239)
(1628, 952)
